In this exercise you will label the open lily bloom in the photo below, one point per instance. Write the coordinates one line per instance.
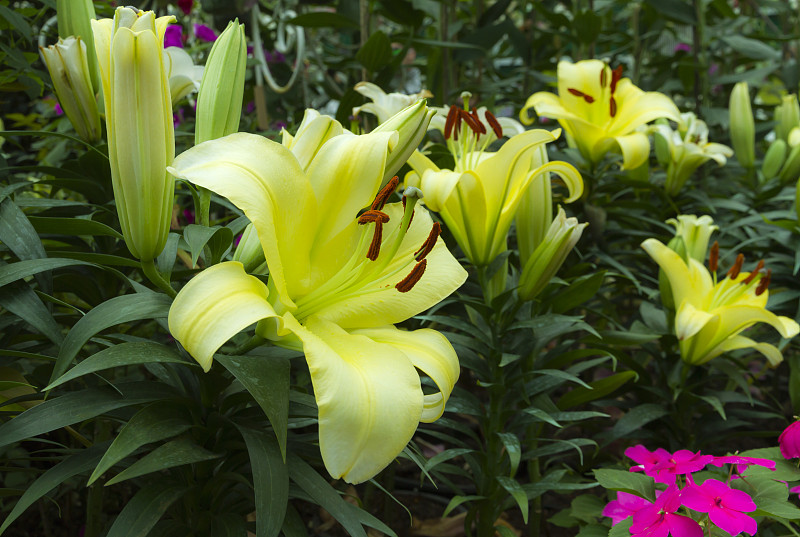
(687, 149)
(339, 279)
(711, 314)
(508, 127)
(385, 105)
(184, 76)
(601, 111)
(479, 197)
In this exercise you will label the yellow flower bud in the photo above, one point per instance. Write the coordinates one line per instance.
(141, 141)
(742, 125)
(787, 115)
(67, 63)
(411, 123)
(74, 19)
(219, 101)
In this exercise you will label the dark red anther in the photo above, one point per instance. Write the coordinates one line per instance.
(429, 243)
(575, 92)
(588, 98)
(603, 76)
(450, 122)
(375, 246)
(755, 272)
(406, 284)
(612, 107)
(372, 216)
(733, 273)
(478, 121)
(764, 283)
(713, 257)
(470, 121)
(385, 193)
(616, 75)
(494, 124)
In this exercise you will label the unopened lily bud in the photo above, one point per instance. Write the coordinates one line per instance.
(141, 141)
(742, 125)
(548, 257)
(791, 167)
(74, 19)
(774, 159)
(535, 212)
(661, 142)
(313, 132)
(787, 116)
(411, 124)
(219, 101)
(249, 251)
(68, 66)
(695, 233)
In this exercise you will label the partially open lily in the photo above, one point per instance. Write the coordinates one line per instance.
(687, 149)
(479, 197)
(385, 105)
(711, 314)
(339, 279)
(184, 76)
(601, 111)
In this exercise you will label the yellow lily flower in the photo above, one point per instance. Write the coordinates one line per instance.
(479, 197)
(183, 75)
(711, 314)
(339, 279)
(141, 141)
(600, 110)
(687, 149)
(385, 105)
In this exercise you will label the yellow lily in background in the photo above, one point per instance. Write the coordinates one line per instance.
(184, 76)
(686, 149)
(479, 197)
(711, 314)
(385, 105)
(141, 141)
(694, 232)
(68, 65)
(339, 279)
(601, 111)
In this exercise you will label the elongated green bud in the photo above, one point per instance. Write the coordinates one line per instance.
(774, 159)
(561, 238)
(141, 142)
(411, 123)
(535, 211)
(787, 116)
(219, 101)
(742, 125)
(69, 69)
(74, 19)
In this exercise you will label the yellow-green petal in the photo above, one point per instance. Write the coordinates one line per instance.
(431, 353)
(635, 149)
(369, 398)
(214, 306)
(771, 352)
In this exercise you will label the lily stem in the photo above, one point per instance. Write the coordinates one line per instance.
(150, 270)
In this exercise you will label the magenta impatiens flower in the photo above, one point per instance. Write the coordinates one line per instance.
(204, 33)
(660, 519)
(726, 507)
(647, 459)
(664, 466)
(624, 506)
(789, 441)
(742, 463)
(173, 36)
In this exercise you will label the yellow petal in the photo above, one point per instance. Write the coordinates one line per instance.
(689, 320)
(311, 135)
(214, 306)
(635, 149)
(436, 186)
(431, 353)
(773, 355)
(375, 301)
(690, 283)
(636, 107)
(368, 394)
(263, 179)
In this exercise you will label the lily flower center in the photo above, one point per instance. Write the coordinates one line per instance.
(375, 264)
(736, 285)
(607, 90)
(463, 130)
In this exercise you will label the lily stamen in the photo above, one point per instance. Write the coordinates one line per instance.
(713, 258)
(450, 121)
(373, 217)
(736, 268)
(755, 272)
(612, 107)
(429, 243)
(375, 246)
(603, 76)
(385, 193)
(764, 283)
(496, 127)
(478, 122)
(406, 284)
(470, 121)
(616, 75)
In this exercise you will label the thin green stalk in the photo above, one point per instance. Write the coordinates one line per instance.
(149, 269)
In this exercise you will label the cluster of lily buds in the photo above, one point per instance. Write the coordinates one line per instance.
(687, 497)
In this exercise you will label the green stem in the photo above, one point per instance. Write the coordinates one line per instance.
(203, 208)
(150, 270)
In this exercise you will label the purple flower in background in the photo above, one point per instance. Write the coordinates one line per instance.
(204, 33)
(177, 118)
(250, 107)
(186, 6)
(726, 507)
(173, 37)
(713, 69)
(789, 441)
(58, 109)
(189, 216)
(682, 47)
